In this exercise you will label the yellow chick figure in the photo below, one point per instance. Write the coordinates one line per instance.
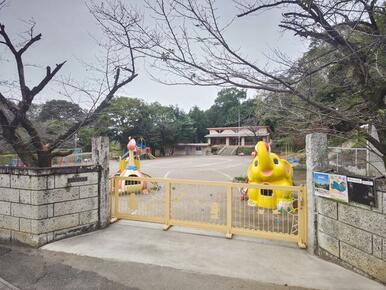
(268, 168)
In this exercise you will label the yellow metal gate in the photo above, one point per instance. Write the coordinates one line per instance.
(211, 205)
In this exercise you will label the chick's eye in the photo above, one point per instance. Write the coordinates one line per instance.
(256, 163)
(275, 161)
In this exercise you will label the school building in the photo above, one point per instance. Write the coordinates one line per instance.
(238, 136)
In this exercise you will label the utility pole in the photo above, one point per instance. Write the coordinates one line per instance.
(238, 130)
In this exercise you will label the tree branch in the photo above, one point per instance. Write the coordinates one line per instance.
(62, 153)
(92, 116)
(261, 7)
(29, 43)
(49, 75)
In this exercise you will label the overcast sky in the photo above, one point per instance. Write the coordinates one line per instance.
(69, 30)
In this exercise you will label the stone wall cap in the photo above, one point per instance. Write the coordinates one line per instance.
(37, 171)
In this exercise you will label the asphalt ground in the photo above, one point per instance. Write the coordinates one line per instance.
(27, 268)
(214, 167)
(211, 260)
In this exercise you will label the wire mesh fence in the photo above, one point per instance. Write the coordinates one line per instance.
(76, 159)
(351, 159)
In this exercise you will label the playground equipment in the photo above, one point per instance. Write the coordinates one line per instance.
(130, 167)
(268, 168)
(143, 151)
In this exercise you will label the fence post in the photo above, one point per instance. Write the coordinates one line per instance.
(100, 156)
(116, 196)
(168, 202)
(317, 159)
(337, 160)
(229, 212)
(112, 199)
(302, 218)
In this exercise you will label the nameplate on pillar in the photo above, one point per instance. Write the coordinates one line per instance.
(77, 179)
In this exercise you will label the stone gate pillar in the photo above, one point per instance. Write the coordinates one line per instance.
(100, 156)
(316, 160)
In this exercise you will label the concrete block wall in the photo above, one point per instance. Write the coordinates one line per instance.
(38, 206)
(354, 235)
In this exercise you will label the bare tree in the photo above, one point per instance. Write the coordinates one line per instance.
(16, 127)
(188, 41)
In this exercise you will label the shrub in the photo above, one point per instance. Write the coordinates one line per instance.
(240, 179)
(245, 150)
(214, 150)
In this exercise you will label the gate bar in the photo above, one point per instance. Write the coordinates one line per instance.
(168, 202)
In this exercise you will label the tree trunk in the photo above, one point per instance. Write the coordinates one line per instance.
(382, 140)
(44, 158)
(378, 141)
(22, 151)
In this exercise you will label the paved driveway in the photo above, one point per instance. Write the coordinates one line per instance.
(218, 168)
(206, 253)
(36, 269)
(222, 168)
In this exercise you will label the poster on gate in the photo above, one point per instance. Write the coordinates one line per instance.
(331, 186)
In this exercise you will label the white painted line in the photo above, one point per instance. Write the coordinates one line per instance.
(222, 173)
(167, 174)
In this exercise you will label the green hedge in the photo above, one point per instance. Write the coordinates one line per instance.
(214, 150)
(240, 179)
(245, 150)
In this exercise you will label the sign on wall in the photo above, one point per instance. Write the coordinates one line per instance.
(321, 183)
(331, 186)
(344, 188)
(361, 190)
